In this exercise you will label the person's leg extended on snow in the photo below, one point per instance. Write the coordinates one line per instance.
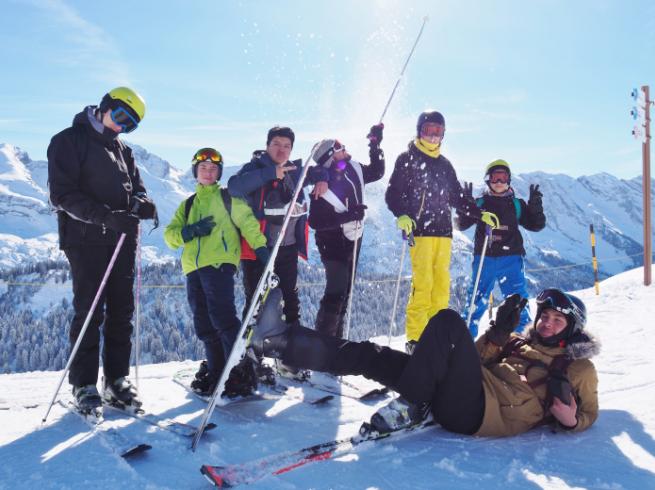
(444, 369)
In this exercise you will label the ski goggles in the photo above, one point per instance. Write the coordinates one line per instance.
(559, 301)
(207, 155)
(124, 119)
(499, 177)
(432, 130)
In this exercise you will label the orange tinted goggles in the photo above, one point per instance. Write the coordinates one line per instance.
(207, 154)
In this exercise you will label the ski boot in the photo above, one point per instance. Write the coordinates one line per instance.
(121, 393)
(265, 373)
(410, 345)
(290, 372)
(398, 414)
(271, 334)
(204, 382)
(242, 381)
(87, 401)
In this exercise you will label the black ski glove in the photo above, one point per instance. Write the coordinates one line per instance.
(559, 385)
(142, 206)
(375, 135)
(467, 191)
(356, 213)
(198, 229)
(263, 255)
(534, 201)
(508, 316)
(122, 222)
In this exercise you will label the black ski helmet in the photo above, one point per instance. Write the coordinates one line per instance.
(207, 155)
(497, 165)
(570, 306)
(429, 116)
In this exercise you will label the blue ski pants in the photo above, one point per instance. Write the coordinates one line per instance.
(509, 271)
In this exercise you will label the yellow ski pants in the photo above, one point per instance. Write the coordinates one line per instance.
(430, 290)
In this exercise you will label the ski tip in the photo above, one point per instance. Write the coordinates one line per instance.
(141, 448)
(212, 474)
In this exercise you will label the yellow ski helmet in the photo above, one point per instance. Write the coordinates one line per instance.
(127, 98)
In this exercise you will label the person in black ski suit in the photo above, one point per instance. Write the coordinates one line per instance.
(337, 214)
(98, 193)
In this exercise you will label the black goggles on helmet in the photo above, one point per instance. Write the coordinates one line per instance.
(207, 155)
(122, 117)
(559, 301)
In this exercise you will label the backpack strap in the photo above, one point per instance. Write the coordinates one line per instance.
(187, 206)
(227, 202)
(517, 207)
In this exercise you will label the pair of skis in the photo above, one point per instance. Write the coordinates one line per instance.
(277, 464)
(120, 443)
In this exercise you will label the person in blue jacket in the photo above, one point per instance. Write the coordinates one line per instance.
(267, 183)
(503, 260)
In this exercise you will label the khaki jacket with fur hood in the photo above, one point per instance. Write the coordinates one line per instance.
(514, 406)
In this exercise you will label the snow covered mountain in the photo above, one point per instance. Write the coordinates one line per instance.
(614, 206)
(617, 452)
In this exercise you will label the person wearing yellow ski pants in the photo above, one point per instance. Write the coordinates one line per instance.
(430, 289)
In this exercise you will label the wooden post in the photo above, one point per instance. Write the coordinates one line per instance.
(645, 150)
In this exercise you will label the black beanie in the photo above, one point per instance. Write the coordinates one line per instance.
(282, 131)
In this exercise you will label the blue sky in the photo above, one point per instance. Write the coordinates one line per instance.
(543, 84)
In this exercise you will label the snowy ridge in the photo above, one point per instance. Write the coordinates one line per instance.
(613, 205)
(617, 452)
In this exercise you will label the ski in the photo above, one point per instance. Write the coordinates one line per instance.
(119, 443)
(170, 425)
(336, 389)
(265, 392)
(267, 282)
(245, 473)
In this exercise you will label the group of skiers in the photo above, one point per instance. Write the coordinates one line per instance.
(97, 190)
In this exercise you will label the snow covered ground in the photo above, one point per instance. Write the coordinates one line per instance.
(618, 452)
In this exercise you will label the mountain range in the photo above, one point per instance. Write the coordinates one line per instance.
(560, 252)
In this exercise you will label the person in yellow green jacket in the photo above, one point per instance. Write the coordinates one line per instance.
(422, 190)
(209, 226)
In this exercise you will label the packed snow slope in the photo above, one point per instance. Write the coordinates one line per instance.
(618, 452)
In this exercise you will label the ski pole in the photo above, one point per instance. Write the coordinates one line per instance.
(392, 323)
(393, 92)
(477, 276)
(86, 323)
(352, 280)
(266, 279)
(137, 341)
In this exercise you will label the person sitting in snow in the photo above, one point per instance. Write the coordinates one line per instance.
(501, 385)
(337, 214)
(503, 261)
(209, 225)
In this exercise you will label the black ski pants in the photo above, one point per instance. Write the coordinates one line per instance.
(286, 268)
(331, 315)
(444, 370)
(210, 292)
(114, 311)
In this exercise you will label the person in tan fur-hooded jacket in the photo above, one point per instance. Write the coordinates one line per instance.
(502, 385)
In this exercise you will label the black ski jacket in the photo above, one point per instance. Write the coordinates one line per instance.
(90, 174)
(345, 184)
(425, 188)
(511, 212)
